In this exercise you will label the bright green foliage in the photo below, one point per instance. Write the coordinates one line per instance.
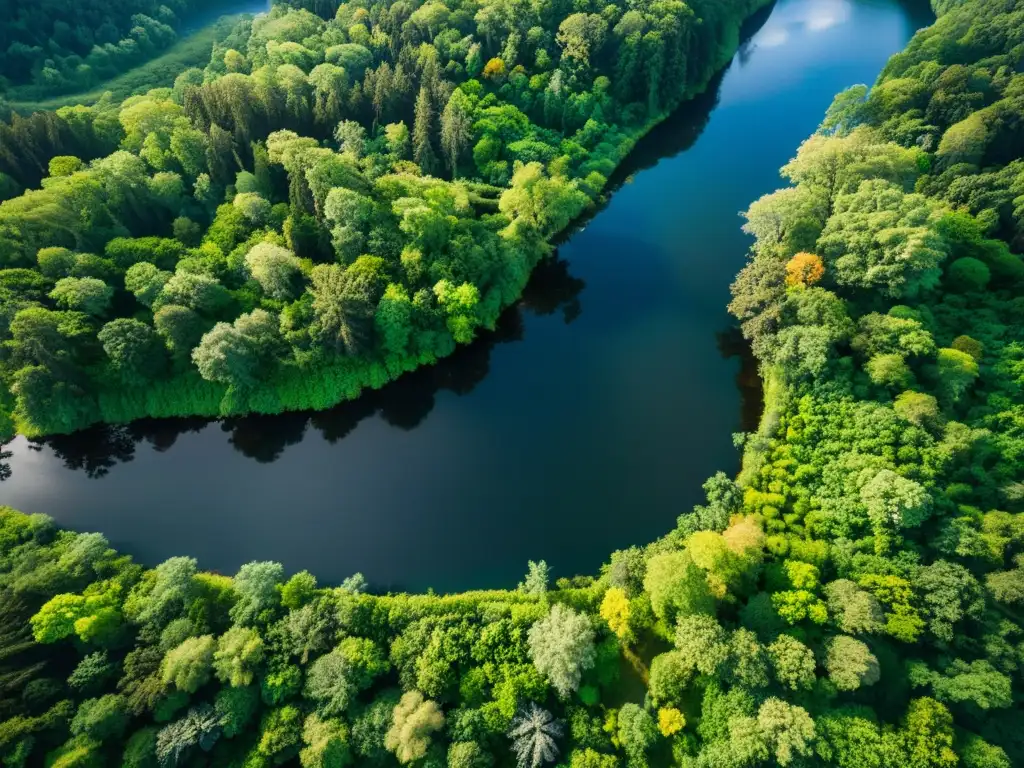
(459, 303)
(637, 733)
(298, 590)
(100, 719)
(468, 754)
(55, 263)
(364, 659)
(677, 586)
(957, 371)
(253, 207)
(900, 254)
(787, 730)
(56, 620)
(86, 294)
(702, 643)
(799, 602)
(849, 737)
(256, 586)
(239, 653)
(854, 610)
(238, 354)
(93, 618)
(917, 408)
(275, 268)
(281, 683)
(198, 292)
(326, 743)
(188, 666)
(927, 735)
(135, 351)
(413, 722)
(314, 141)
(850, 663)
(562, 647)
(280, 733)
(889, 371)
(877, 456)
(894, 502)
(850, 599)
(792, 663)
(977, 683)
(670, 677)
(977, 753)
(169, 594)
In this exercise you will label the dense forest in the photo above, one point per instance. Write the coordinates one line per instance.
(345, 193)
(56, 45)
(854, 599)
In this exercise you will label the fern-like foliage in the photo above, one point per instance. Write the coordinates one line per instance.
(533, 735)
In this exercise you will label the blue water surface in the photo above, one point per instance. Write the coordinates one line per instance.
(587, 423)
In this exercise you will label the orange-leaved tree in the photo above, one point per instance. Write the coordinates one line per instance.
(804, 269)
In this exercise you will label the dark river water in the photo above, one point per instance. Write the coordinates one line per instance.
(585, 424)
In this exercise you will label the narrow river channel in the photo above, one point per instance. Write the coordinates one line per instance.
(587, 423)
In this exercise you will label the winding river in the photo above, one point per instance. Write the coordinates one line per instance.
(585, 424)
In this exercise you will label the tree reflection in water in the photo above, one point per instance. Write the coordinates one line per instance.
(404, 404)
(407, 402)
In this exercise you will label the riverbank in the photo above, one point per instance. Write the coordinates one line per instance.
(293, 389)
(854, 602)
(584, 353)
(888, 456)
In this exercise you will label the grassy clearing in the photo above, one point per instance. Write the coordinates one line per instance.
(191, 51)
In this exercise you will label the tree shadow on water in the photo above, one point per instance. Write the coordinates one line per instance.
(404, 403)
(407, 402)
(264, 438)
(748, 380)
(680, 130)
(751, 27)
(98, 449)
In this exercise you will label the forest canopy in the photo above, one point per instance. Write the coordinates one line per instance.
(853, 599)
(57, 46)
(345, 193)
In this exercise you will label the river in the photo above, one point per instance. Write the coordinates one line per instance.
(585, 424)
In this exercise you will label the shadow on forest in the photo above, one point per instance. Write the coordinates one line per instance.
(405, 403)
